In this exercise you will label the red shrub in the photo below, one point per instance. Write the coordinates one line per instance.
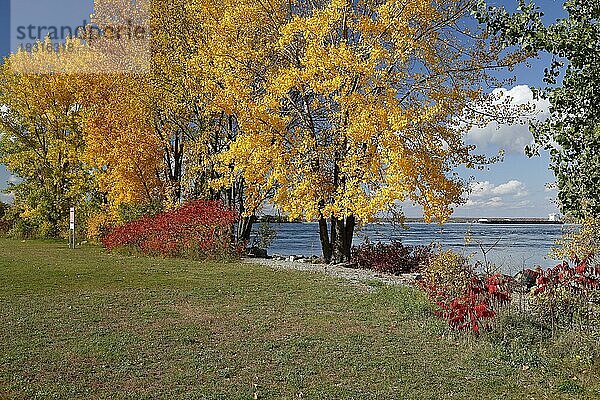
(470, 307)
(578, 278)
(198, 229)
(393, 258)
(567, 293)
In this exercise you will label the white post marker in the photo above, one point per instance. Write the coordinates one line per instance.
(72, 228)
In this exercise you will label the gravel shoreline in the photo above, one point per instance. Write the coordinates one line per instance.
(358, 276)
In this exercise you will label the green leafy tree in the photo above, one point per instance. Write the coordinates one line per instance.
(572, 133)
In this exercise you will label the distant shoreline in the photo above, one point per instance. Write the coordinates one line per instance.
(455, 220)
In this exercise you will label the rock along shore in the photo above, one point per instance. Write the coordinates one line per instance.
(354, 275)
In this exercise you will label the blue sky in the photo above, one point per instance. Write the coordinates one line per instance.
(516, 187)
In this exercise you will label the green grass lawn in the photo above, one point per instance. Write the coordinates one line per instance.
(86, 324)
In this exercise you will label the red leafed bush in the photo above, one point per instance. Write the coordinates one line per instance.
(393, 258)
(579, 277)
(567, 293)
(478, 302)
(198, 229)
(465, 299)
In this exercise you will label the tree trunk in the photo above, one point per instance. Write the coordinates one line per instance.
(349, 235)
(245, 228)
(342, 241)
(337, 248)
(325, 243)
(338, 240)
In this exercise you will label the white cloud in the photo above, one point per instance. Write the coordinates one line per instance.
(514, 188)
(480, 189)
(494, 202)
(505, 195)
(510, 138)
(487, 189)
(519, 95)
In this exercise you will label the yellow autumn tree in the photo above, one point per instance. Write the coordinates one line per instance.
(143, 124)
(191, 128)
(117, 120)
(345, 108)
(120, 141)
(41, 140)
(177, 113)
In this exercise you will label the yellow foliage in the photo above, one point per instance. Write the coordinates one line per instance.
(40, 133)
(99, 224)
(120, 141)
(448, 269)
(344, 108)
(580, 244)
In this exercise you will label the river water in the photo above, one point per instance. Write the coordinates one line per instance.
(508, 246)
